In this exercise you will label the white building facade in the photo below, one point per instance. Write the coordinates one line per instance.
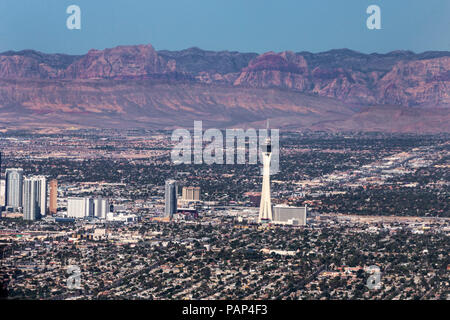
(34, 196)
(101, 208)
(80, 207)
(13, 188)
(290, 215)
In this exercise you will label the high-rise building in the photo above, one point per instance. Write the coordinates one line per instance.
(31, 198)
(31, 209)
(13, 187)
(53, 196)
(34, 197)
(171, 198)
(42, 194)
(80, 207)
(265, 208)
(2, 192)
(290, 215)
(191, 194)
(101, 208)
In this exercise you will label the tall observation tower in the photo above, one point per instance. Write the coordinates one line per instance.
(265, 208)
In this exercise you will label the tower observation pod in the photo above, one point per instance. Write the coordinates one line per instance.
(265, 208)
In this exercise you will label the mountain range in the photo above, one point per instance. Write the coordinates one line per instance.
(140, 87)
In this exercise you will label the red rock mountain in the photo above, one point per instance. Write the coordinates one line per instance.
(131, 86)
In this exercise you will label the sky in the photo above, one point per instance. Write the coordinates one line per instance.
(235, 25)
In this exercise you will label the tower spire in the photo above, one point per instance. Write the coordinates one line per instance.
(265, 208)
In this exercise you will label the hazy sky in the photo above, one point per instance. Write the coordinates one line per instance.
(241, 25)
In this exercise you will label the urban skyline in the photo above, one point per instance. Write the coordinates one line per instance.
(304, 211)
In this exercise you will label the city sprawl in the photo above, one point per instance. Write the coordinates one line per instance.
(137, 226)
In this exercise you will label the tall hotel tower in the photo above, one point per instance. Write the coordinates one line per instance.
(34, 198)
(265, 208)
(171, 198)
(53, 196)
(13, 188)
